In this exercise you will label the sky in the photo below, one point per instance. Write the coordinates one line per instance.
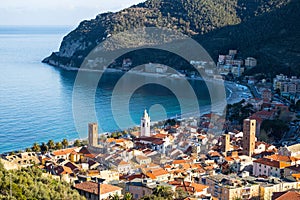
(56, 12)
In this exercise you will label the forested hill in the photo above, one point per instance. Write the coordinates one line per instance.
(217, 24)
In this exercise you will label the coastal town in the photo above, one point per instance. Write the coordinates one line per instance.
(257, 156)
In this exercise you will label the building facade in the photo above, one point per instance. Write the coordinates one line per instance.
(145, 125)
(249, 130)
(93, 134)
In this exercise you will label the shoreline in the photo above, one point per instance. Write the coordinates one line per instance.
(236, 91)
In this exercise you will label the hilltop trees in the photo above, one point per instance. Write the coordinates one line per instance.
(160, 193)
(65, 143)
(50, 145)
(58, 145)
(36, 147)
(31, 184)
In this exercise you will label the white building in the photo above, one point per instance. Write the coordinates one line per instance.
(268, 167)
(145, 125)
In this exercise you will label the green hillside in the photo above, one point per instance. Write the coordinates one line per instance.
(266, 29)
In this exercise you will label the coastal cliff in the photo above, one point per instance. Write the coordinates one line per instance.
(260, 28)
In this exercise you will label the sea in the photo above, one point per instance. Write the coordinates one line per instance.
(36, 100)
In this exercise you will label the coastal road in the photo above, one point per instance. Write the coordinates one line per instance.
(254, 91)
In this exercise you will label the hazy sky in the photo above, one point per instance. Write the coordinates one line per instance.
(56, 12)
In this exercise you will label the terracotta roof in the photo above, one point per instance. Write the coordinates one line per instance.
(228, 158)
(150, 139)
(210, 167)
(67, 170)
(131, 177)
(267, 162)
(208, 115)
(201, 137)
(63, 151)
(74, 152)
(159, 172)
(198, 187)
(92, 187)
(175, 162)
(167, 166)
(141, 157)
(297, 176)
(214, 154)
(282, 158)
(120, 140)
(160, 135)
(150, 175)
(123, 163)
(93, 172)
(185, 166)
(90, 155)
(272, 163)
(191, 187)
(288, 195)
(260, 142)
(196, 166)
(110, 140)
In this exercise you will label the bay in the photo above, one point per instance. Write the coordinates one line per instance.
(36, 99)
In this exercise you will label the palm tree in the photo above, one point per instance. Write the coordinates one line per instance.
(28, 149)
(36, 147)
(44, 147)
(58, 145)
(163, 191)
(181, 194)
(51, 144)
(114, 197)
(127, 196)
(65, 143)
(77, 143)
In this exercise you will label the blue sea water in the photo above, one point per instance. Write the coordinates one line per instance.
(36, 99)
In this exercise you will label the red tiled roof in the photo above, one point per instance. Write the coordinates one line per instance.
(159, 172)
(92, 187)
(214, 154)
(123, 163)
(178, 162)
(160, 135)
(63, 151)
(290, 195)
(198, 187)
(268, 162)
(282, 158)
(150, 175)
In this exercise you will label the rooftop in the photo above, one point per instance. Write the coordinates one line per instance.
(92, 187)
